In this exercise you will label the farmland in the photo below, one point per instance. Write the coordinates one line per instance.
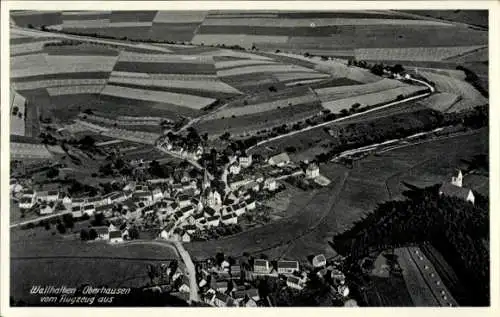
(80, 263)
(470, 97)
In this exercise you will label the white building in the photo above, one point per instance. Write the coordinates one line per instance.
(229, 219)
(235, 168)
(279, 160)
(115, 236)
(245, 160)
(270, 184)
(312, 171)
(48, 196)
(26, 202)
(287, 267)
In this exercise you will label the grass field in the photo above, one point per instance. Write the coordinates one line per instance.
(441, 101)
(76, 263)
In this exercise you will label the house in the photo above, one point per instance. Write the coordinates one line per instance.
(187, 211)
(48, 196)
(223, 300)
(102, 232)
(66, 200)
(76, 211)
(312, 171)
(89, 209)
(198, 217)
(190, 229)
(213, 221)
(145, 196)
(235, 271)
(250, 204)
(45, 209)
(186, 237)
(167, 231)
(319, 261)
(115, 236)
(213, 198)
(184, 288)
(78, 202)
(245, 160)
(209, 212)
(26, 202)
(183, 201)
(294, 282)
(117, 198)
(261, 266)
(255, 186)
(229, 219)
(103, 209)
(235, 168)
(287, 267)
(270, 184)
(220, 286)
(239, 209)
(279, 160)
(130, 186)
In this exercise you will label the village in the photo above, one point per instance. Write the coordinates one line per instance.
(191, 205)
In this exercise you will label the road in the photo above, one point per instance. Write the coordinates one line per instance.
(37, 33)
(185, 257)
(339, 119)
(190, 161)
(38, 219)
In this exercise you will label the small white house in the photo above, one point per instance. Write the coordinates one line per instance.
(46, 210)
(89, 209)
(115, 236)
(261, 266)
(186, 237)
(312, 171)
(213, 221)
(279, 160)
(229, 219)
(287, 267)
(235, 168)
(48, 196)
(245, 160)
(250, 204)
(26, 202)
(157, 194)
(270, 184)
(294, 282)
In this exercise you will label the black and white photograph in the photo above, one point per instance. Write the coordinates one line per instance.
(248, 158)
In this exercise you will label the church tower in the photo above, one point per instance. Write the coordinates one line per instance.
(457, 181)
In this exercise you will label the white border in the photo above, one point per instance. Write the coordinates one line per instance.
(494, 19)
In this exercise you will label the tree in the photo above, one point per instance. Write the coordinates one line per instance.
(398, 69)
(61, 228)
(133, 233)
(15, 109)
(92, 234)
(272, 89)
(68, 221)
(52, 172)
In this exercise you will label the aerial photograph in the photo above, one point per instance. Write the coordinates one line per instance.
(249, 158)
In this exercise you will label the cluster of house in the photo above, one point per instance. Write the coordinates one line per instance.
(233, 285)
(179, 149)
(111, 233)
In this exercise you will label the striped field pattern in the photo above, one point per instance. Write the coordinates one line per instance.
(183, 100)
(412, 53)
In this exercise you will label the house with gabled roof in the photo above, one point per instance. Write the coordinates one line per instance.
(48, 196)
(231, 218)
(279, 160)
(213, 221)
(88, 209)
(261, 266)
(26, 203)
(115, 236)
(295, 282)
(223, 300)
(287, 267)
(102, 232)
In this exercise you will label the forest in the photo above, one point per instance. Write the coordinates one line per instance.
(459, 230)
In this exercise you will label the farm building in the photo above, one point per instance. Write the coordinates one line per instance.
(287, 267)
(230, 218)
(76, 211)
(279, 160)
